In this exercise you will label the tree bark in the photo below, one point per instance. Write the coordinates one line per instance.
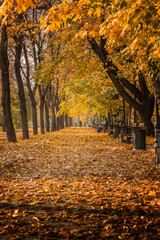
(70, 121)
(61, 122)
(42, 104)
(21, 93)
(47, 107)
(47, 116)
(31, 93)
(57, 102)
(66, 120)
(6, 102)
(58, 124)
(53, 119)
(53, 114)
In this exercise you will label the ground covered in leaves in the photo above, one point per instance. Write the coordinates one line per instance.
(78, 184)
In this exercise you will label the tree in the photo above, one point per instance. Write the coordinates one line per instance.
(7, 11)
(23, 110)
(31, 91)
(6, 102)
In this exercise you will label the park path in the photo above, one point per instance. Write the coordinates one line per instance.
(77, 184)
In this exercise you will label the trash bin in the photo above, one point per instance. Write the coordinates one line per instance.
(139, 138)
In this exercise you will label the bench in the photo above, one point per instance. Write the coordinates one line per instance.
(125, 135)
(141, 125)
(138, 125)
(135, 125)
(125, 138)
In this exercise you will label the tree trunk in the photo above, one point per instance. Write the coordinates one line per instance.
(42, 103)
(53, 119)
(48, 99)
(66, 121)
(109, 118)
(21, 93)
(61, 122)
(6, 103)
(53, 114)
(124, 114)
(31, 93)
(129, 116)
(147, 114)
(58, 120)
(58, 124)
(34, 118)
(70, 121)
(47, 116)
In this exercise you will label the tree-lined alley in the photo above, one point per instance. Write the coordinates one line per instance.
(61, 62)
(78, 184)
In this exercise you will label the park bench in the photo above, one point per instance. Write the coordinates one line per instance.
(142, 125)
(124, 134)
(127, 138)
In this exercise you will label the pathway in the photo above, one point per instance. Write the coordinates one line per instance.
(78, 184)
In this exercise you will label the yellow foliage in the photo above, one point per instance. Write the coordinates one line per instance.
(90, 11)
(98, 12)
(21, 6)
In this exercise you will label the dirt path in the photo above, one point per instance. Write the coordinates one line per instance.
(77, 184)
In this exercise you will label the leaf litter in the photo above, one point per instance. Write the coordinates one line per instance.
(78, 184)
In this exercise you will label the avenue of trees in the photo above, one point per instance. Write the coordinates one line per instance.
(74, 57)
